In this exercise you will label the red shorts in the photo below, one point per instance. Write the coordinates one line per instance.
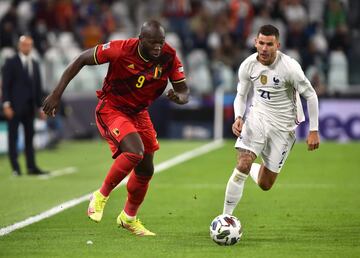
(114, 125)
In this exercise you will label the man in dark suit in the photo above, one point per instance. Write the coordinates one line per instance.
(22, 95)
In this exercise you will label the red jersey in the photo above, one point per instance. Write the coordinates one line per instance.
(132, 83)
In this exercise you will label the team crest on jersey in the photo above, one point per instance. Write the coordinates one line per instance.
(263, 79)
(116, 132)
(157, 72)
(106, 46)
(276, 80)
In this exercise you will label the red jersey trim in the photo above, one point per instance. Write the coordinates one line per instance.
(95, 59)
(182, 80)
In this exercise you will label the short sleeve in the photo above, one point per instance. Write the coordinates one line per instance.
(177, 72)
(107, 52)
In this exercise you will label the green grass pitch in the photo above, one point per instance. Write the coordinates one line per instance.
(313, 210)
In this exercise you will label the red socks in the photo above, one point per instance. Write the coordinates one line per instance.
(137, 187)
(121, 167)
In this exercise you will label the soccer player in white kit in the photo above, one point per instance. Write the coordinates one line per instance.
(269, 127)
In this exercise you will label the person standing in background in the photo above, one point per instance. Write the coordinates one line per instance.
(21, 96)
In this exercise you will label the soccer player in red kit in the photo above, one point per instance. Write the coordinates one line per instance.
(138, 73)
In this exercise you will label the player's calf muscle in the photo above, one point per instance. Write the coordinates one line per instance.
(266, 179)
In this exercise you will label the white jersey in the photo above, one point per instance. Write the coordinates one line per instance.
(276, 90)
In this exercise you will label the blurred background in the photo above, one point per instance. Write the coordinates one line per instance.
(212, 38)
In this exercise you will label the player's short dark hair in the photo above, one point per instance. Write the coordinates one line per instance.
(150, 25)
(269, 30)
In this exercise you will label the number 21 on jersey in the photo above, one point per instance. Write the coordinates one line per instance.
(265, 94)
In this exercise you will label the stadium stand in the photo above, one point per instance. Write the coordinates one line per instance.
(212, 36)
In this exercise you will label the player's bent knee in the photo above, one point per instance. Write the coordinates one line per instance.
(244, 166)
(133, 157)
(144, 172)
(265, 186)
(145, 168)
(245, 160)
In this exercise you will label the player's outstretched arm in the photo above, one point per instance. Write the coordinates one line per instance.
(180, 93)
(52, 101)
(313, 140)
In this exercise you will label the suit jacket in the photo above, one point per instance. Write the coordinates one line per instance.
(19, 88)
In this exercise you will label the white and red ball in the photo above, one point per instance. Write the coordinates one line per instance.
(225, 230)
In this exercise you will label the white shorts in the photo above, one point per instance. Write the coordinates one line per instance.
(262, 138)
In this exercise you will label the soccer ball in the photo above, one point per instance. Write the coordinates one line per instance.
(225, 230)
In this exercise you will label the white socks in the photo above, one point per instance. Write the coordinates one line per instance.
(234, 190)
(254, 172)
(235, 187)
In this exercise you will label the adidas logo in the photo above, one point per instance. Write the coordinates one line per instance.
(131, 66)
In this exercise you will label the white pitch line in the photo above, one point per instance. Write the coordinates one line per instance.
(189, 155)
(43, 215)
(59, 172)
(66, 205)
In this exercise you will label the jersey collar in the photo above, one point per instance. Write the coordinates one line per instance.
(141, 56)
(276, 58)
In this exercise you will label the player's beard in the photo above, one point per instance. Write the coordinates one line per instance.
(266, 58)
(151, 54)
(155, 53)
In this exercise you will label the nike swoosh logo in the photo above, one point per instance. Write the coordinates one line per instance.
(252, 77)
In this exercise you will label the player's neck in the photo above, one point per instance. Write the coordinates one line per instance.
(142, 55)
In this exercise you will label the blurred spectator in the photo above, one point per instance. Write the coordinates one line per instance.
(45, 10)
(9, 28)
(241, 15)
(313, 54)
(199, 78)
(338, 78)
(223, 76)
(264, 17)
(142, 10)
(92, 33)
(177, 13)
(64, 15)
(222, 44)
(317, 78)
(294, 12)
(315, 10)
(225, 30)
(335, 16)
(340, 39)
(24, 10)
(200, 25)
(296, 37)
(39, 33)
(108, 20)
(214, 7)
